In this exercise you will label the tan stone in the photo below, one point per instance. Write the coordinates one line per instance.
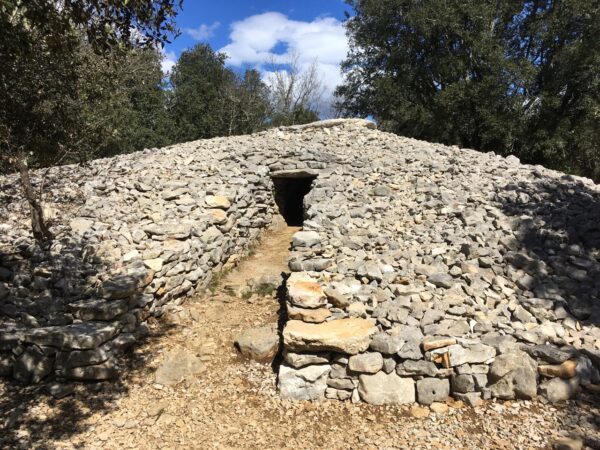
(431, 343)
(154, 264)
(565, 370)
(304, 291)
(217, 201)
(439, 408)
(218, 216)
(419, 412)
(308, 315)
(349, 336)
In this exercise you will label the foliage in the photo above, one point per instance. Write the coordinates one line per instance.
(208, 99)
(44, 72)
(512, 77)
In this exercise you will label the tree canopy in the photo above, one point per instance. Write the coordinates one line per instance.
(512, 77)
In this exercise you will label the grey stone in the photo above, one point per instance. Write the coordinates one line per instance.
(99, 309)
(366, 362)
(558, 390)
(103, 371)
(60, 390)
(261, 344)
(298, 360)
(442, 280)
(78, 336)
(513, 375)
(306, 383)
(430, 390)
(386, 389)
(463, 383)
(306, 239)
(418, 367)
(336, 298)
(470, 398)
(32, 367)
(547, 353)
(386, 343)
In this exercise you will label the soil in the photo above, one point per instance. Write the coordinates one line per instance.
(232, 403)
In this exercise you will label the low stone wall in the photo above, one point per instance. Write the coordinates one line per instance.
(425, 271)
(134, 236)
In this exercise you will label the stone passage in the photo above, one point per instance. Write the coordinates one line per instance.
(290, 189)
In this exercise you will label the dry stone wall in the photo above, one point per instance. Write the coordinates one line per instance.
(422, 270)
(425, 271)
(134, 235)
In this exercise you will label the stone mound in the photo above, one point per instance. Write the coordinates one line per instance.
(460, 273)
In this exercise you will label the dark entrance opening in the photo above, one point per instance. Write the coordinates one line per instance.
(289, 196)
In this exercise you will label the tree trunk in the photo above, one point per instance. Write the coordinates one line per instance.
(41, 233)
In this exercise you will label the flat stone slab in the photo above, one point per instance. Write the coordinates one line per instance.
(350, 336)
(386, 389)
(79, 336)
(178, 364)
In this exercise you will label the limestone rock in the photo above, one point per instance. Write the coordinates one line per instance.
(366, 362)
(298, 360)
(308, 315)
(349, 336)
(386, 389)
(306, 383)
(261, 344)
(430, 390)
(558, 390)
(304, 291)
(306, 239)
(217, 201)
(177, 365)
(513, 375)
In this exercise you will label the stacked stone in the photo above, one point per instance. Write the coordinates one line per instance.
(460, 273)
(422, 270)
(145, 231)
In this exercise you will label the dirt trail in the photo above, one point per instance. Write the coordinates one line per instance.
(233, 403)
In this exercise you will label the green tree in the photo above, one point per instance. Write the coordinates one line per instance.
(40, 106)
(197, 82)
(124, 102)
(208, 99)
(512, 77)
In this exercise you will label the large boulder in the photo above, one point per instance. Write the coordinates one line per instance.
(513, 375)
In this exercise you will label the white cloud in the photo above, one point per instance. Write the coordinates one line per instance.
(203, 32)
(255, 39)
(168, 61)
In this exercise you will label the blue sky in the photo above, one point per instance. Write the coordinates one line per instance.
(252, 33)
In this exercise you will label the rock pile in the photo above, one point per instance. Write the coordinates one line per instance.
(422, 270)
